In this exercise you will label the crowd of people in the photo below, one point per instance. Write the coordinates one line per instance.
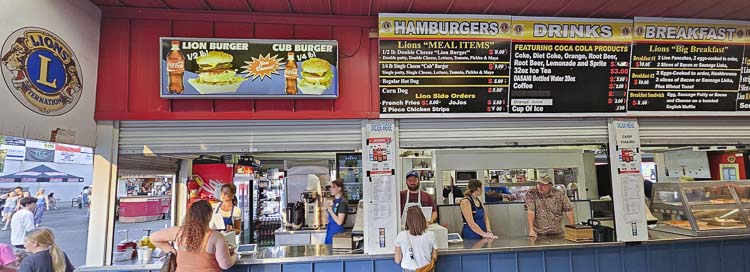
(32, 247)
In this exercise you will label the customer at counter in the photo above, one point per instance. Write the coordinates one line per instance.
(226, 215)
(197, 247)
(336, 211)
(414, 196)
(544, 208)
(415, 247)
(476, 221)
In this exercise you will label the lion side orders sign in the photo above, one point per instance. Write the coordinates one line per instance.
(41, 71)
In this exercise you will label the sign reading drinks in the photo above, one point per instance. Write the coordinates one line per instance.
(444, 63)
(232, 68)
(570, 65)
(689, 65)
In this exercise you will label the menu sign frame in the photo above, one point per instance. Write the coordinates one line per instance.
(200, 68)
(594, 95)
(689, 67)
(570, 65)
(440, 65)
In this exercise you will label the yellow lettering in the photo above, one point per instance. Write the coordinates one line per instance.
(44, 65)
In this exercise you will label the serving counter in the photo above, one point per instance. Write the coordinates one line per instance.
(662, 252)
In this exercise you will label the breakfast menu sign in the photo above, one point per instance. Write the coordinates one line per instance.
(689, 65)
(486, 65)
(232, 68)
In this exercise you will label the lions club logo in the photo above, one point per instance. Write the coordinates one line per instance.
(41, 71)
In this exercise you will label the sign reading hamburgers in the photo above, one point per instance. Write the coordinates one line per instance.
(231, 68)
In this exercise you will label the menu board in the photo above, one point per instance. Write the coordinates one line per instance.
(569, 65)
(688, 65)
(236, 68)
(743, 96)
(437, 64)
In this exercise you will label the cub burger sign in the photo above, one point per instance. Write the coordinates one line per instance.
(230, 68)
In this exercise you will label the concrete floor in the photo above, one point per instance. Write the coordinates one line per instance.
(70, 226)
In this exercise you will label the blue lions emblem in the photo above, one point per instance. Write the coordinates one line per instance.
(41, 71)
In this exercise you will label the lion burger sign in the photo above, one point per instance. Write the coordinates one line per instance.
(41, 71)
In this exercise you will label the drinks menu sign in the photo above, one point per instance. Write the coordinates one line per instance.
(231, 68)
(569, 65)
(471, 65)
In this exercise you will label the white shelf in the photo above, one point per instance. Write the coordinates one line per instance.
(417, 157)
(427, 181)
(422, 169)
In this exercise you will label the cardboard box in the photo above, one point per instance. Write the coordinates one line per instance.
(579, 233)
(343, 241)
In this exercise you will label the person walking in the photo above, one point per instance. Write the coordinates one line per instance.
(22, 222)
(52, 201)
(9, 208)
(41, 206)
(199, 248)
(416, 249)
(46, 255)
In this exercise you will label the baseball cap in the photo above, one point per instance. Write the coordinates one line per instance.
(412, 174)
(546, 179)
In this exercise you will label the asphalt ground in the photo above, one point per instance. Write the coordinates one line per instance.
(71, 225)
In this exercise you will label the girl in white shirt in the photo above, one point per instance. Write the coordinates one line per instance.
(415, 246)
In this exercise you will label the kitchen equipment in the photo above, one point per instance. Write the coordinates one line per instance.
(601, 233)
(127, 244)
(312, 209)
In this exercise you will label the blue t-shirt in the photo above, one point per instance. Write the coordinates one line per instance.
(499, 190)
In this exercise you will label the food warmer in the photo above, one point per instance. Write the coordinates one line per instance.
(705, 208)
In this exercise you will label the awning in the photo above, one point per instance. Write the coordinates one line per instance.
(41, 173)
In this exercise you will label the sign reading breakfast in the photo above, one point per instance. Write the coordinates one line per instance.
(231, 68)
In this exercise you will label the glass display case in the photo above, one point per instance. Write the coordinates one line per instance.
(701, 208)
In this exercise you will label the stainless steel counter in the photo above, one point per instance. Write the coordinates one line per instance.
(306, 253)
(314, 253)
(517, 243)
(283, 231)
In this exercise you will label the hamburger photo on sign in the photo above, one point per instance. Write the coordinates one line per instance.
(244, 68)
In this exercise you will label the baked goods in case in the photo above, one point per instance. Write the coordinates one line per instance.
(721, 201)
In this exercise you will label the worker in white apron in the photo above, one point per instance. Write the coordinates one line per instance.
(408, 204)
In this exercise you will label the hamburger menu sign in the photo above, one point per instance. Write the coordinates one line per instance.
(232, 68)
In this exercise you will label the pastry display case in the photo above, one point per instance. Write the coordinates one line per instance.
(707, 208)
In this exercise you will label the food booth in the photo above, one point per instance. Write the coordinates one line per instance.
(588, 92)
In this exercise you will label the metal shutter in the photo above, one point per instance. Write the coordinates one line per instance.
(427, 133)
(694, 131)
(207, 137)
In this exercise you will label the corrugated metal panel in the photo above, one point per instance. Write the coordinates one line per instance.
(205, 137)
(674, 131)
(425, 133)
(126, 163)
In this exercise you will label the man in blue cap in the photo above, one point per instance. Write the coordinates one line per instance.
(414, 196)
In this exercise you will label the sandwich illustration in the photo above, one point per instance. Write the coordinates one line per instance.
(316, 76)
(216, 74)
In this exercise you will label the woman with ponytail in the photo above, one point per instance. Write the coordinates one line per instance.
(45, 254)
(200, 247)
